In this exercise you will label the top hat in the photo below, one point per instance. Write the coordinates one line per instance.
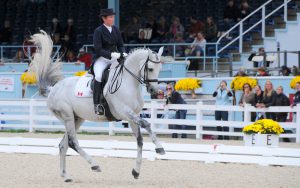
(107, 12)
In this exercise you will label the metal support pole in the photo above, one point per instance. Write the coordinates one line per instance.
(285, 58)
(241, 38)
(265, 59)
(298, 58)
(285, 10)
(263, 25)
(230, 65)
(174, 51)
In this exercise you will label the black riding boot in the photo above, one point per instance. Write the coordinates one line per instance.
(97, 96)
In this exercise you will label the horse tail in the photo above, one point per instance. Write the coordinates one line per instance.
(48, 73)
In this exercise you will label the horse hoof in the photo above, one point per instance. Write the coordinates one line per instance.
(160, 151)
(135, 174)
(96, 168)
(68, 180)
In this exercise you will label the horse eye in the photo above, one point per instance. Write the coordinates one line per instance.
(150, 70)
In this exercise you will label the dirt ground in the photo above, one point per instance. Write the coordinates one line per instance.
(28, 170)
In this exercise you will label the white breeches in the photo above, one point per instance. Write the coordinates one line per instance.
(99, 66)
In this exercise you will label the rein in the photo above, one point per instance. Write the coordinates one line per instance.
(117, 76)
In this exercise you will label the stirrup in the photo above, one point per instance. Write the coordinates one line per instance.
(99, 109)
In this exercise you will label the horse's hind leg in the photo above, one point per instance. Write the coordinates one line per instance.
(146, 125)
(74, 144)
(63, 148)
(137, 133)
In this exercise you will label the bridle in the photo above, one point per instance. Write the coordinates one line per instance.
(116, 82)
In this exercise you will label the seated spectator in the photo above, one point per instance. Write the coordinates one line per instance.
(174, 97)
(297, 95)
(269, 98)
(262, 72)
(66, 44)
(142, 38)
(176, 27)
(152, 25)
(196, 27)
(55, 27)
(245, 9)
(132, 30)
(70, 30)
(241, 72)
(56, 39)
(296, 71)
(222, 95)
(281, 100)
(231, 12)
(259, 95)
(248, 97)
(198, 46)
(261, 52)
(210, 30)
(285, 71)
(160, 94)
(70, 57)
(84, 57)
(162, 29)
(179, 49)
(19, 58)
(6, 32)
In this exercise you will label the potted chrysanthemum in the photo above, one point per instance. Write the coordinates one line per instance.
(264, 132)
(188, 84)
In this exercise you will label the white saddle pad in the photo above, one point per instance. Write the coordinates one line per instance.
(83, 87)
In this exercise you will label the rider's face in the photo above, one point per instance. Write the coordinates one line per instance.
(108, 20)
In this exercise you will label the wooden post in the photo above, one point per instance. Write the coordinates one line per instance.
(199, 118)
(298, 124)
(153, 112)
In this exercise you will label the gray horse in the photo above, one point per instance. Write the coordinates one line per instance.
(141, 65)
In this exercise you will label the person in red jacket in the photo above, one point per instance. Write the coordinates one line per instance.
(84, 57)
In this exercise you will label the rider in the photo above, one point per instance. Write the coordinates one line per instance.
(108, 45)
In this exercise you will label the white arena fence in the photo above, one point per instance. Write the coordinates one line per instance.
(33, 115)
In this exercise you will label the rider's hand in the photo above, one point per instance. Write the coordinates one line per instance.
(115, 55)
(124, 54)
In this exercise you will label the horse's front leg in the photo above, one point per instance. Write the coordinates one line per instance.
(139, 138)
(146, 125)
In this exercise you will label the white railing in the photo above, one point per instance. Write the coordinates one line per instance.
(240, 24)
(32, 115)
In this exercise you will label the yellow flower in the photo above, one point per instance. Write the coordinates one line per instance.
(294, 81)
(80, 73)
(187, 84)
(239, 81)
(264, 126)
(28, 78)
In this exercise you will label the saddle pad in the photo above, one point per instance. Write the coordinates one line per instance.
(83, 87)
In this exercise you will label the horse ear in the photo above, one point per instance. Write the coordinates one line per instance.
(160, 51)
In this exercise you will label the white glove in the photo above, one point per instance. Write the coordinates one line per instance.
(124, 54)
(115, 55)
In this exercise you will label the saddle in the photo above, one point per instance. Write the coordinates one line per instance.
(84, 88)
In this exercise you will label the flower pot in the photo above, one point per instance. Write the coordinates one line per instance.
(264, 140)
(194, 96)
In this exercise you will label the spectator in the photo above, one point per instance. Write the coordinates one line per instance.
(85, 58)
(245, 9)
(6, 32)
(281, 100)
(142, 38)
(198, 46)
(248, 97)
(132, 30)
(210, 30)
(296, 71)
(285, 71)
(241, 72)
(174, 97)
(70, 30)
(66, 44)
(231, 12)
(152, 26)
(196, 27)
(19, 57)
(261, 52)
(262, 72)
(179, 49)
(162, 29)
(56, 39)
(176, 27)
(259, 95)
(55, 27)
(160, 94)
(222, 95)
(297, 95)
(268, 99)
(70, 57)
